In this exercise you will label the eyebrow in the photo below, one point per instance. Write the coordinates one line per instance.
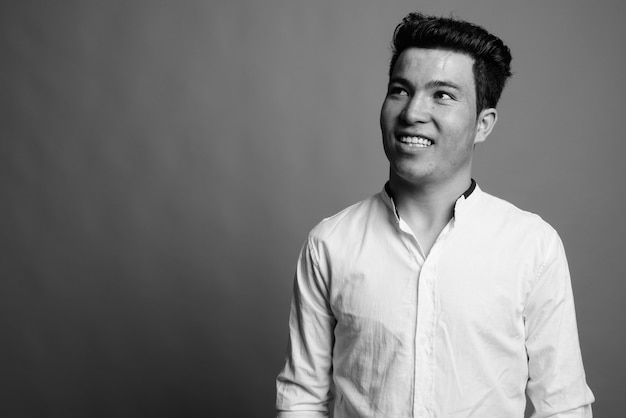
(443, 83)
(431, 84)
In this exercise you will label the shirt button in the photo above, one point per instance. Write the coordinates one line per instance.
(422, 412)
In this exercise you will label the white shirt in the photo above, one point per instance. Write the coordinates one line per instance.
(487, 317)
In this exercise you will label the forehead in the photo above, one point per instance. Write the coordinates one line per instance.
(423, 65)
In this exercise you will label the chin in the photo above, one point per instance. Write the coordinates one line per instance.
(412, 176)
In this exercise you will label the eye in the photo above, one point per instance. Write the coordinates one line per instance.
(442, 95)
(397, 91)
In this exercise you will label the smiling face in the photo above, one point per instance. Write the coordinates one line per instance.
(428, 119)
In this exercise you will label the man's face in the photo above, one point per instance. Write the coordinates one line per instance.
(428, 119)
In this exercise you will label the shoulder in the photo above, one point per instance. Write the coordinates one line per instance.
(501, 215)
(351, 220)
(498, 208)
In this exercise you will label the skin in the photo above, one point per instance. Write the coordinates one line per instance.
(431, 94)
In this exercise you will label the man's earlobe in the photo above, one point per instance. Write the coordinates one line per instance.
(486, 121)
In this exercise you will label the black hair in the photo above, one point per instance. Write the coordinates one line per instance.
(492, 58)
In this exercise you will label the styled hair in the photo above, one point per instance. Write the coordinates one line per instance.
(492, 58)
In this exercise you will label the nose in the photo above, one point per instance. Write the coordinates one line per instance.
(416, 110)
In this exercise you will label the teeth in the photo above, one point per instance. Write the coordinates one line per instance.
(416, 140)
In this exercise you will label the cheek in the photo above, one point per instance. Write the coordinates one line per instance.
(384, 116)
(460, 130)
(381, 119)
(389, 112)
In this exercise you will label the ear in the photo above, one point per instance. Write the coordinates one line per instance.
(485, 123)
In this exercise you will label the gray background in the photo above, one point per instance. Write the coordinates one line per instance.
(161, 164)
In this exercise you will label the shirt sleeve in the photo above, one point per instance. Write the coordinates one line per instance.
(303, 387)
(557, 385)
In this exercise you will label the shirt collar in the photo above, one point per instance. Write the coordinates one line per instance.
(471, 191)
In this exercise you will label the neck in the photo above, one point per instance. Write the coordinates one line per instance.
(427, 208)
(431, 200)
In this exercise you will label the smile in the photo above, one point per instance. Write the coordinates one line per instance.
(416, 141)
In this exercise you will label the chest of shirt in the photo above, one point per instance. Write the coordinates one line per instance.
(476, 283)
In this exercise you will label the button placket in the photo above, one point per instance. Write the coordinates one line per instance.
(424, 361)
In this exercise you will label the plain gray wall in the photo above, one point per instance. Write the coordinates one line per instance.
(162, 162)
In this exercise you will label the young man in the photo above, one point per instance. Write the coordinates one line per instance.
(433, 298)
